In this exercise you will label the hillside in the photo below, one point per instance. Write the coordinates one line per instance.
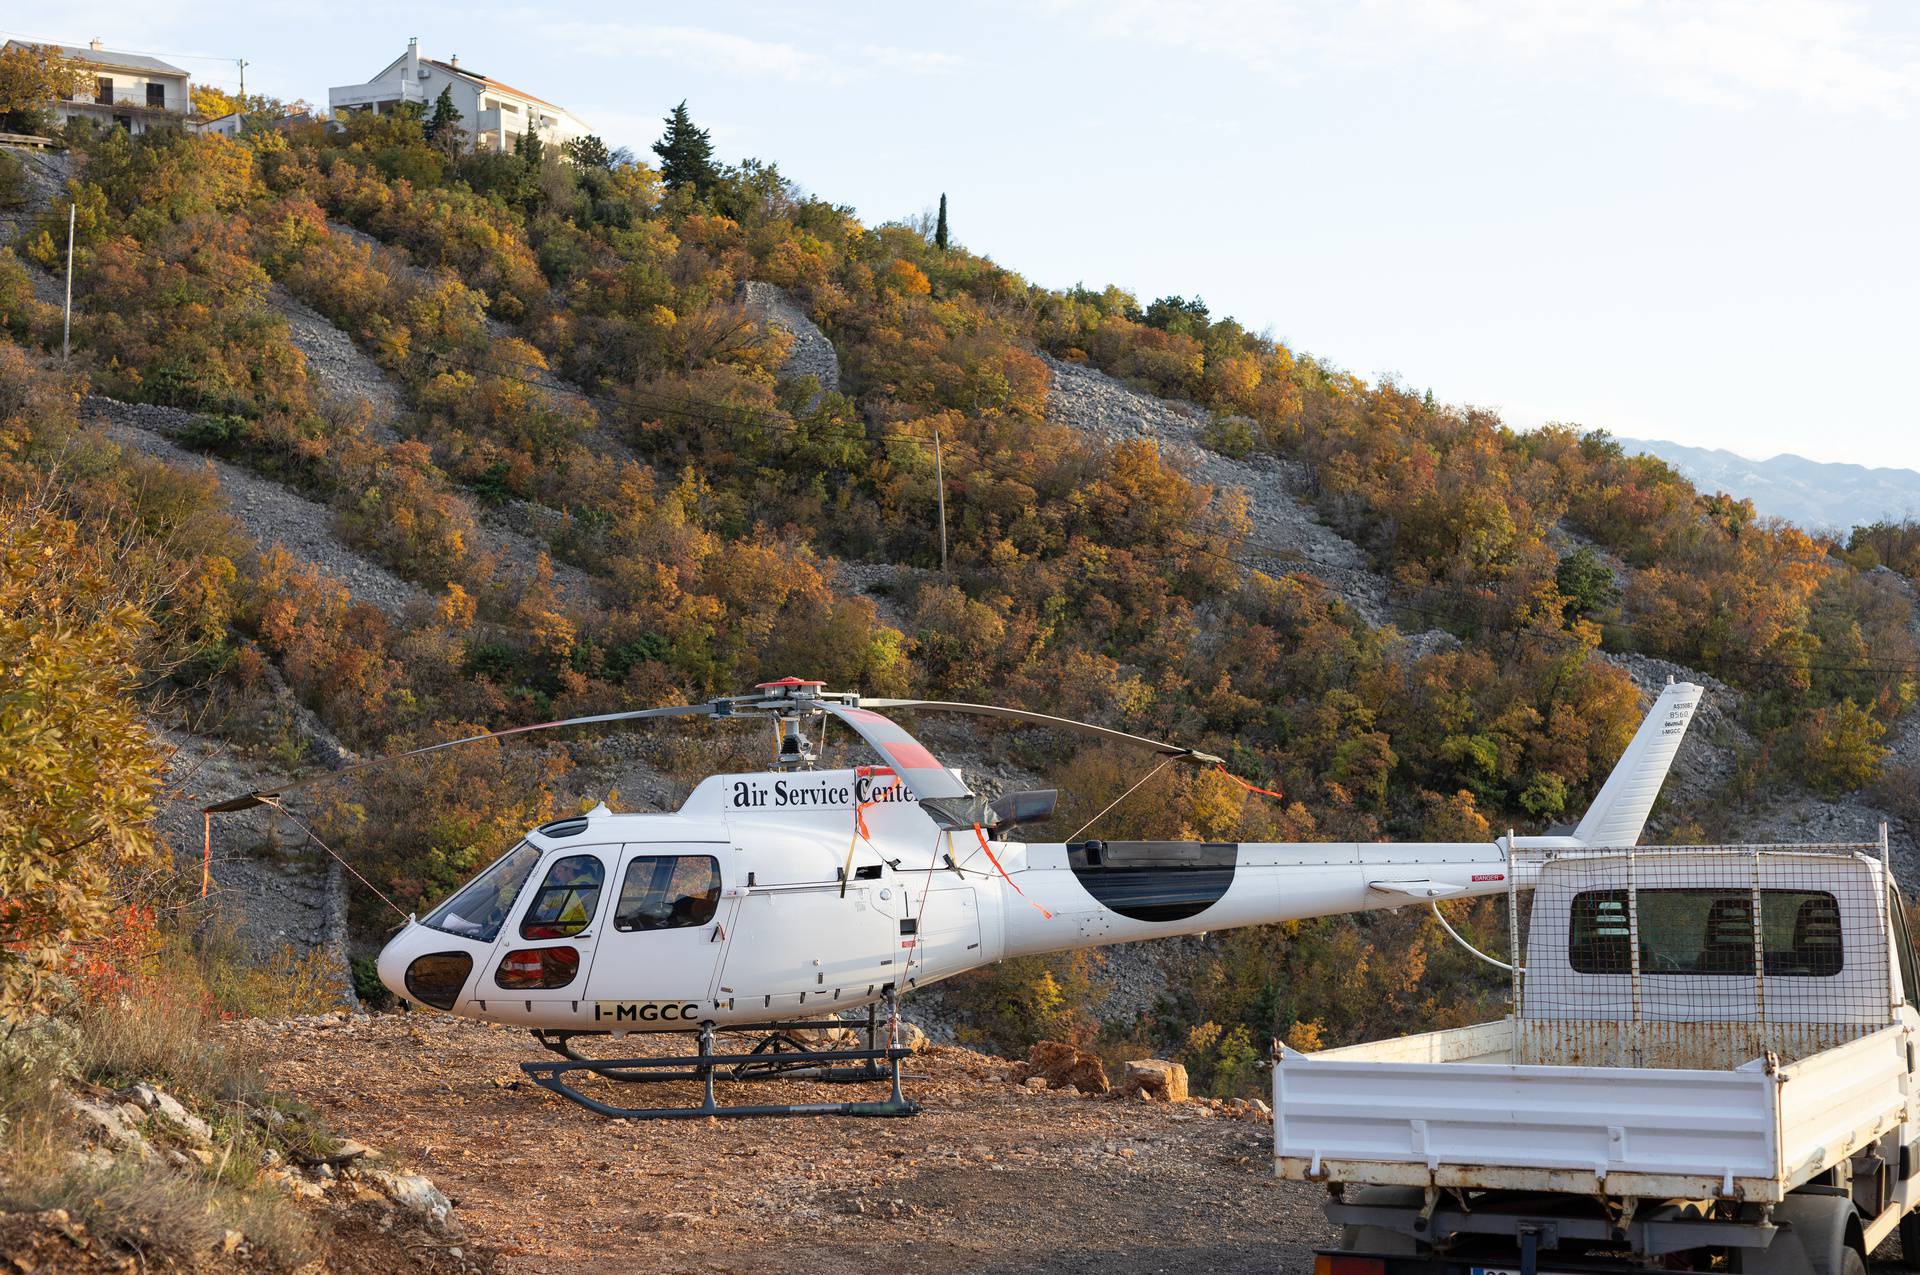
(1812, 493)
(367, 442)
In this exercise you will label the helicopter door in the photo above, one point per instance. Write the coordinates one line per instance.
(660, 950)
(803, 948)
(546, 956)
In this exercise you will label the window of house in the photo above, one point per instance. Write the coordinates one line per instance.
(567, 899)
(103, 90)
(478, 911)
(1706, 931)
(157, 96)
(668, 892)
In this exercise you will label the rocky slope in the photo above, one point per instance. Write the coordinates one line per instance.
(812, 354)
(1286, 535)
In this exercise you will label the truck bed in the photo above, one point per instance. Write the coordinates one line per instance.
(1456, 1109)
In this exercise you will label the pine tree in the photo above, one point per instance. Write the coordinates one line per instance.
(443, 126)
(686, 154)
(940, 226)
(529, 147)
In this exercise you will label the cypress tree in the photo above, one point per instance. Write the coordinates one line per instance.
(686, 154)
(940, 226)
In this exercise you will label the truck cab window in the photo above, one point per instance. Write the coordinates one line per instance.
(1706, 931)
(567, 900)
(479, 910)
(668, 891)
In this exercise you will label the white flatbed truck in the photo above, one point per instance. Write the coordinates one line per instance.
(1711, 1065)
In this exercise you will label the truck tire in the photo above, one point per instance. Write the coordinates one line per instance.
(1380, 1239)
(1910, 1241)
(1816, 1241)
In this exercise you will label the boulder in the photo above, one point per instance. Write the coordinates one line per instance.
(115, 1125)
(413, 1192)
(158, 1101)
(1158, 1080)
(1062, 1064)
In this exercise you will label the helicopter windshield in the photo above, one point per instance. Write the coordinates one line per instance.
(479, 910)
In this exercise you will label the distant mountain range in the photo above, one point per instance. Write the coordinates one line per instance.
(1812, 493)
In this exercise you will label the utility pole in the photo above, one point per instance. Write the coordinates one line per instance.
(66, 332)
(242, 64)
(940, 482)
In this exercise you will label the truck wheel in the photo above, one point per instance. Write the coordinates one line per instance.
(1813, 1243)
(1380, 1239)
(1910, 1241)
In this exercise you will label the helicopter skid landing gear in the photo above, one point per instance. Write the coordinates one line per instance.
(779, 1055)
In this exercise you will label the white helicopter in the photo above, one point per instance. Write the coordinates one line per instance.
(772, 898)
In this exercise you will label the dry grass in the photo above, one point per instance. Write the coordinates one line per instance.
(147, 1206)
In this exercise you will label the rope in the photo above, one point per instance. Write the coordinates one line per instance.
(206, 855)
(1435, 905)
(1264, 792)
(1117, 800)
(274, 804)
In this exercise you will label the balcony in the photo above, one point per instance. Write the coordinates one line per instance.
(128, 99)
(381, 93)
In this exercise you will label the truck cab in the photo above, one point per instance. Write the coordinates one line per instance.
(1710, 1064)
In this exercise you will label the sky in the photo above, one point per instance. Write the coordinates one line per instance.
(1684, 219)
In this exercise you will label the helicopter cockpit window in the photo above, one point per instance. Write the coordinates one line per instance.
(478, 911)
(668, 892)
(567, 900)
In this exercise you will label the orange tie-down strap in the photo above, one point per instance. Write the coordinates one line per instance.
(206, 854)
(1264, 792)
(981, 833)
(860, 832)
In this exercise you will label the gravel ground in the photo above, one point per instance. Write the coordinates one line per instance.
(812, 353)
(270, 513)
(344, 373)
(1094, 403)
(990, 1177)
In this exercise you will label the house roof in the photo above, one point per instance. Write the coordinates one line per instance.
(490, 82)
(118, 61)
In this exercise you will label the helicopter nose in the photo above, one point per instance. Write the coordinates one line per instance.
(392, 965)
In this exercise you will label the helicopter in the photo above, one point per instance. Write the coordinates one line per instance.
(773, 899)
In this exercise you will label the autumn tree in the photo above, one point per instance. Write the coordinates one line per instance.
(78, 770)
(31, 77)
(686, 154)
(588, 152)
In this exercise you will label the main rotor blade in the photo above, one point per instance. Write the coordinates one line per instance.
(950, 802)
(1058, 723)
(259, 797)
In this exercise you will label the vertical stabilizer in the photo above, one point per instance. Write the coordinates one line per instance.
(1620, 811)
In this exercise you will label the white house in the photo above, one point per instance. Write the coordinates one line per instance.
(494, 114)
(132, 90)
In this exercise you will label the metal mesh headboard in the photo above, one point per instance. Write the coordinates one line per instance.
(1701, 956)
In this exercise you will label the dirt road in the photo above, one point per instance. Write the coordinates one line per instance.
(990, 1178)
